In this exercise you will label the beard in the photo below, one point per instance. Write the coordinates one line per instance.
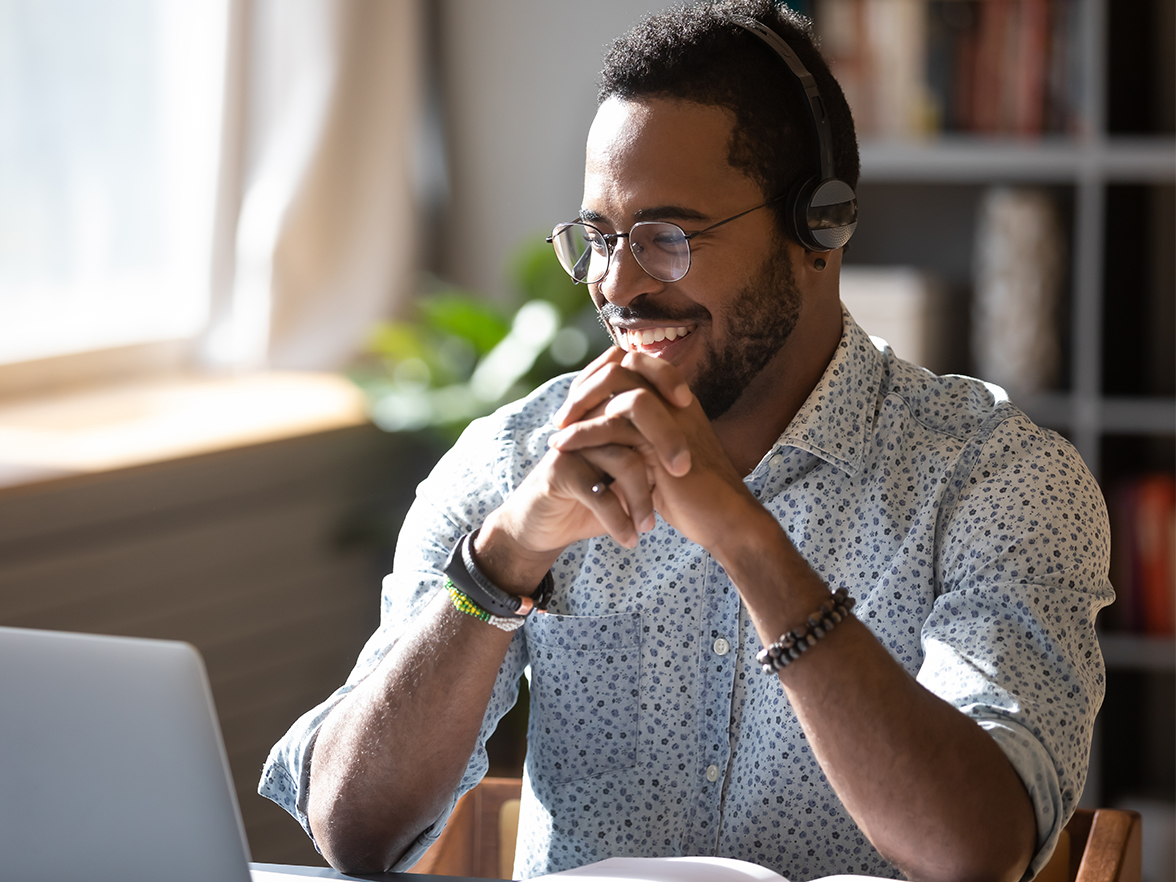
(760, 318)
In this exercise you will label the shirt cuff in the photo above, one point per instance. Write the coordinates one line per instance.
(1036, 770)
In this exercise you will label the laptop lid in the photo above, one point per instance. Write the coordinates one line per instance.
(111, 763)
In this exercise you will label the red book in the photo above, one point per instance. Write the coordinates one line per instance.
(1032, 64)
(1154, 567)
(991, 52)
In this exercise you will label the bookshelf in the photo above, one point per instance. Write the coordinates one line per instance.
(1115, 398)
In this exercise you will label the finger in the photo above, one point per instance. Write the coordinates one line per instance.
(601, 486)
(662, 375)
(608, 506)
(636, 419)
(595, 389)
(613, 353)
(628, 481)
(649, 415)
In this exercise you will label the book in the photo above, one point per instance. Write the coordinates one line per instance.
(911, 68)
(904, 306)
(1020, 272)
(680, 869)
(1143, 554)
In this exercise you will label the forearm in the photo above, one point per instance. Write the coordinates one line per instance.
(933, 792)
(389, 757)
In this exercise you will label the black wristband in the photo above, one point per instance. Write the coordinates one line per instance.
(472, 582)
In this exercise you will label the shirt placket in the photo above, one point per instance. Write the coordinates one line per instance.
(717, 662)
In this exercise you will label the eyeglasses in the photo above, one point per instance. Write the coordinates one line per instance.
(661, 249)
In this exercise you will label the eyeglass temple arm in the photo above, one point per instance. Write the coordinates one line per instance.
(689, 236)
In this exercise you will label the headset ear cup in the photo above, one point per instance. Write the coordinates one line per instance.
(829, 214)
(822, 214)
(798, 204)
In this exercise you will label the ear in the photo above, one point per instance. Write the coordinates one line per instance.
(812, 267)
(816, 274)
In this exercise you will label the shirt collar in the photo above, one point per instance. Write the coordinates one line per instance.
(837, 419)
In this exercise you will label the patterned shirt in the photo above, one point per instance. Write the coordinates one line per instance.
(975, 543)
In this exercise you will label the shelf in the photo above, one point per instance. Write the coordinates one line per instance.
(1137, 652)
(977, 160)
(1110, 415)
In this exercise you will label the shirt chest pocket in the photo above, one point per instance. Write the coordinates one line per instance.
(585, 673)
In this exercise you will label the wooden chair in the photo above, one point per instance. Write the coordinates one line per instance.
(479, 839)
(1100, 845)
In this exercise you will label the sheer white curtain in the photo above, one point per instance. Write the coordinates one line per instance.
(316, 230)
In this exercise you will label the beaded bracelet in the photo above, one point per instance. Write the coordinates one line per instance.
(467, 606)
(792, 644)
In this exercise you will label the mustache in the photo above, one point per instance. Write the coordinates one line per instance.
(640, 310)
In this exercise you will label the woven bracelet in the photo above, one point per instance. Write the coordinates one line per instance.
(793, 644)
(466, 605)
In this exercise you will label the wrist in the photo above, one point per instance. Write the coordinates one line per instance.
(776, 583)
(507, 562)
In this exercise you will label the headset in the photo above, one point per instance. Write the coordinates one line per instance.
(822, 211)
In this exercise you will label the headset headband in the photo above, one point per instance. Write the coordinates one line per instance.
(807, 81)
(822, 211)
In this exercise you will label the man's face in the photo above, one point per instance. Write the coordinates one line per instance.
(727, 318)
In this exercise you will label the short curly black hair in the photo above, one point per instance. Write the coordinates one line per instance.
(695, 53)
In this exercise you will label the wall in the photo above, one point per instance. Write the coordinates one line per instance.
(519, 88)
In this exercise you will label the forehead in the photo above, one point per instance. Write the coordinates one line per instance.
(658, 152)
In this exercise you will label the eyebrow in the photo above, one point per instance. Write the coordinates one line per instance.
(659, 212)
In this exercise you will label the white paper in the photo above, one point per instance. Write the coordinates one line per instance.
(679, 869)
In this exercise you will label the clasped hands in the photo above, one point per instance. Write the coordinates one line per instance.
(630, 417)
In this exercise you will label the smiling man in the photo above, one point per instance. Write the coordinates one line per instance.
(806, 604)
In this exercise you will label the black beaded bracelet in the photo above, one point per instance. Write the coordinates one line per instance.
(473, 583)
(791, 645)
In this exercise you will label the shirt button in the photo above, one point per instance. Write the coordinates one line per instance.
(712, 773)
(775, 460)
(722, 647)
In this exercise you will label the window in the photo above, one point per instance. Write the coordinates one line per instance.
(110, 120)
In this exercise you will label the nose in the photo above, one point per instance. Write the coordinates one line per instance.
(625, 279)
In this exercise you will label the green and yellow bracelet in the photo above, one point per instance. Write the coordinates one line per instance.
(463, 603)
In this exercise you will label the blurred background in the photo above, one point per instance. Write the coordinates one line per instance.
(260, 260)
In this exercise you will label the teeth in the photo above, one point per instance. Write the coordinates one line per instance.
(649, 336)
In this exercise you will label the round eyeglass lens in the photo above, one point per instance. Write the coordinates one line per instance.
(582, 251)
(661, 249)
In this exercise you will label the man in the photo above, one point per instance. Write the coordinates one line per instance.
(696, 495)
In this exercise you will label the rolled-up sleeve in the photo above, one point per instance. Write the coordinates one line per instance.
(468, 483)
(1010, 641)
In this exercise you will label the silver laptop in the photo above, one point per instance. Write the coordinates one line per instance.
(112, 767)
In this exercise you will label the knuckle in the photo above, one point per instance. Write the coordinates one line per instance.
(612, 372)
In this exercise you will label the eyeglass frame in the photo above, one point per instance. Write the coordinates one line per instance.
(610, 241)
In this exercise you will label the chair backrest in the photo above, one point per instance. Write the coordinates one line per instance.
(479, 839)
(1098, 845)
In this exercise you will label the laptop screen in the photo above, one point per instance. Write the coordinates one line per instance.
(111, 763)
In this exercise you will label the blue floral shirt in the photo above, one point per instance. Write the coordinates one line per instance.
(975, 543)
